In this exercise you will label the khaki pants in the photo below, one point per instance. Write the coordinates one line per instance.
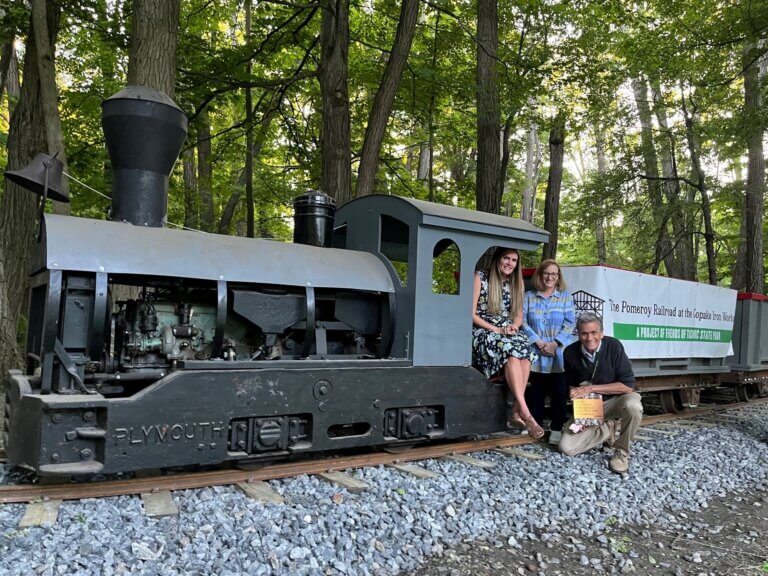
(627, 408)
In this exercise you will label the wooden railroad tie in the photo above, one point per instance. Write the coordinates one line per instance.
(657, 431)
(159, 504)
(519, 453)
(722, 419)
(414, 470)
(464, 459)
(353, 485)
(684, 426)
(40, 514)
(641, 438)
(261, 491)
(697, 423)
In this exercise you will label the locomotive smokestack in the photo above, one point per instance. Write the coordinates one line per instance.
(144, 130)
(313, 216)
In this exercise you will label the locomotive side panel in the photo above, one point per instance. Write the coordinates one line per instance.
(205, 416)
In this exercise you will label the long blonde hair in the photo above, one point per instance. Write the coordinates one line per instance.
(495, 282)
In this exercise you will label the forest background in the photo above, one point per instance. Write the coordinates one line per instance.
(632, 131)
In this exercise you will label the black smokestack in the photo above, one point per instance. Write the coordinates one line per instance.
(313, 217)
(144, 130)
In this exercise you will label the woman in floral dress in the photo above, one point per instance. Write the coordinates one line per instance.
(498, 345)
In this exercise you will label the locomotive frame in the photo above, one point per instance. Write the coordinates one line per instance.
(83, 414)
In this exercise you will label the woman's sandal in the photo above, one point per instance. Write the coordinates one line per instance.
(534, 430)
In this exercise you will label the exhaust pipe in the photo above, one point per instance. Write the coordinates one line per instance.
(144, 131)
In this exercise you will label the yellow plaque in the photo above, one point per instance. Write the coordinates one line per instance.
(588, 408)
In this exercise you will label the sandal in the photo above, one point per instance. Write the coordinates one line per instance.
(534, 430)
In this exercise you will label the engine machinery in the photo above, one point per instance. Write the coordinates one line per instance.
(149, 347)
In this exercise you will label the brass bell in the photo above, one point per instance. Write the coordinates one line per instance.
(33, 177)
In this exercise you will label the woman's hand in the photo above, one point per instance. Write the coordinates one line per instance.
(547, 348)
(507, 330)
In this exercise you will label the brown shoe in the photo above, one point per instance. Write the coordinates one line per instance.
(619, 462)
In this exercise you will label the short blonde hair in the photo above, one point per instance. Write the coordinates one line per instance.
(538, 277)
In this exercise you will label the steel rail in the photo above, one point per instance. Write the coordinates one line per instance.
(17, 493)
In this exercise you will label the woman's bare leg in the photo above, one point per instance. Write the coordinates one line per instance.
(516, 374)
(525, 368)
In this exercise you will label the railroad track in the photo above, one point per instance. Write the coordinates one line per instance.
(22, 493)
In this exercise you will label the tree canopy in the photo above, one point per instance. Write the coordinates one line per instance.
(661, 106)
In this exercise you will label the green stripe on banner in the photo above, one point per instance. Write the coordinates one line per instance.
(669, 333)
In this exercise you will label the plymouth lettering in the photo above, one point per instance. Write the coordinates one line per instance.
(169, 433)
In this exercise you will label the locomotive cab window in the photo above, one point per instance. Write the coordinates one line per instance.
(340, 236)
(446, 267)
(394, 244)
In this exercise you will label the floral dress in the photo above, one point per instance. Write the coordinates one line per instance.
(491, 350)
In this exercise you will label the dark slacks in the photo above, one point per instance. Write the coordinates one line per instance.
(554, 386)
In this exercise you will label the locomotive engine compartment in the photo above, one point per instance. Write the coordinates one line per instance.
(159, 329)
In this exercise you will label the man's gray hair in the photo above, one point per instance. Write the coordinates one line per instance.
(588, 318)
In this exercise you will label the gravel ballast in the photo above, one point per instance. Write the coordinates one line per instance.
(399, 521)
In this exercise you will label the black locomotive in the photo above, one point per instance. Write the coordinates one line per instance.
(230, 349)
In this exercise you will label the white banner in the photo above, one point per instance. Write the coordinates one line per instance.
(654, 316)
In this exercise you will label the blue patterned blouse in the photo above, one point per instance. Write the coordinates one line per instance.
(549, 319)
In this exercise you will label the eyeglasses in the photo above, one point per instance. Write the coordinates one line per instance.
(551, 274)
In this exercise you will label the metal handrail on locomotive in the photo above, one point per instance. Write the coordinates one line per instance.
(230, 349)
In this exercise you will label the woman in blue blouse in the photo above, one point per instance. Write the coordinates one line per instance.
(549, 319)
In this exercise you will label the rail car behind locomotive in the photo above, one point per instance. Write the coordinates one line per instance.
(233, 349)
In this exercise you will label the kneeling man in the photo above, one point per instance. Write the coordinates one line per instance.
(598, 364)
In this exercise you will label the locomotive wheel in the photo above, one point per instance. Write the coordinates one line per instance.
(669, 401)
(399, 448)
(690, 397)
(743, 392)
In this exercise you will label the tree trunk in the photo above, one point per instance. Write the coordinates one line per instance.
(662, 245)
(683, 235)
(18, 214)
(602, 168)
(532, 158)
(425, 159)
(698, 177)
(10, 356)
(9, 75)
(257, 144)
(152, 57)
(49, 94)
(385, 96)
(336, 179)
(205, 172)
(488, 196)
(431, 116)
(506, 134)
(552, 198)
(191, 208)
(249, 204)
(754, 128)
(6, 53)
(738, 276)
(225, 223)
